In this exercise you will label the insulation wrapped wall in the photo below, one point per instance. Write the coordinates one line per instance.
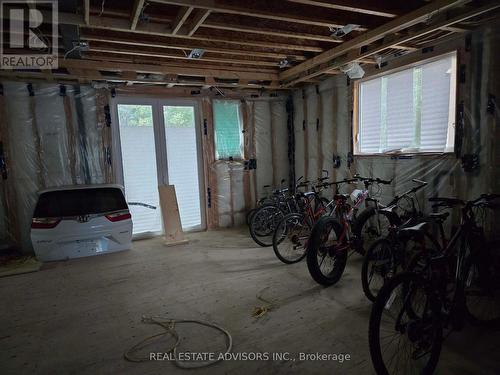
(265, 126)
(54, 140)
(444, 173)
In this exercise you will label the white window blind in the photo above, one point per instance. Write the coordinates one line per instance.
(412, 110)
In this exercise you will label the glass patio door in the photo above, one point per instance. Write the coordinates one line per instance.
(159, 144)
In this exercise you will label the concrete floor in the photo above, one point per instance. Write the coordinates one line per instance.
(80, 316)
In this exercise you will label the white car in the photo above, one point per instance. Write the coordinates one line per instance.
(79, 221)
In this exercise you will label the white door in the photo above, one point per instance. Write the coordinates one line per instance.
(159, 143)
(183, 160)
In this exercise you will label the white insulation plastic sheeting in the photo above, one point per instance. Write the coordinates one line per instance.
(312, 133)
(280, 143)
(34, 169)
(263, 146)
(230, 196)
(271, 142)
(298, 117)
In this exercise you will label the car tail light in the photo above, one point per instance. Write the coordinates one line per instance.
(119, 216)
(44, 222)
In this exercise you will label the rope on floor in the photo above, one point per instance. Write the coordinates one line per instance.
(168, 325)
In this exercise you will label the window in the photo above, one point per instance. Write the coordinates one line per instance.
(228, 137)
(412, 110)
(76, 202)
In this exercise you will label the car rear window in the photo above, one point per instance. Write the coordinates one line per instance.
(76, 202)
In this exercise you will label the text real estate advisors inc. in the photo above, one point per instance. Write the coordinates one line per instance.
(249, 356)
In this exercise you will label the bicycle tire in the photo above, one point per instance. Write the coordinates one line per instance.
(360, 222)
(278, 238)
(315, 248)
(370, 292)
(382, 303)
(260, 238)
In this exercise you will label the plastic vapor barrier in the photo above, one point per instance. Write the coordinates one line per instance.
(54, 140)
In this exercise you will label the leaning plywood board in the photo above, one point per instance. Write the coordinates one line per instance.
(171, 218)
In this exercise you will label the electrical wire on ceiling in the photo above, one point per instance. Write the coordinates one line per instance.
(102, 7)
(75, 48)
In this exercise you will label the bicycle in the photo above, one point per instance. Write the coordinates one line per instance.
(389, 254)
(415, 307)
(266, 218)
(292, 233)
(333, 236)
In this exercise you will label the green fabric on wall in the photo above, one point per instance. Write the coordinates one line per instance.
(227, 129)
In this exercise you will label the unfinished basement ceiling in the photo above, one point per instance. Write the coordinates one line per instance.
(257, 44)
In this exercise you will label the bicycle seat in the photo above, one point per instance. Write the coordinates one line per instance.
(419, 228)
(441, 216)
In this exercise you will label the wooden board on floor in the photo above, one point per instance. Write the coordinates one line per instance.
(171, 218)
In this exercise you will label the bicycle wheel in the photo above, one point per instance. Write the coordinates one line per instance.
(263, 223)
(326, 254)
(482, 290)
(399, 343)
(370, 225)
(378, 265)
(290, 238)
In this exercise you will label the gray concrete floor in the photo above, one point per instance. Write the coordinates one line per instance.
(80, 316)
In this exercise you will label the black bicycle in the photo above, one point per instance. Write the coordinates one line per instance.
(416, 309)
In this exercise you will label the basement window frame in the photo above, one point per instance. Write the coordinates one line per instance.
(450, 143)
(217, 156)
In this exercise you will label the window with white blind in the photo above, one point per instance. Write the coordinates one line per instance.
(409, 111)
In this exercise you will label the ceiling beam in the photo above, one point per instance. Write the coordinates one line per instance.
(355, 55)
(200, 17)
(350, 6)
(179, 45)
(267, 31)
(266, 12)
(182, 16)
(86, 11)
(395, 25)
(136, 12)
(116, 24)
(168, 69)
(157, 54)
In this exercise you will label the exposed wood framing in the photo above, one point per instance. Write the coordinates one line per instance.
(355, 55)
(164, 69)
(373, 9)
(9, 197)
(319, 125)
(374, 35)
(38, 144)
(68, 112)
(246, 154)
(263, 11)
(86, 11)
(212, 212)
(182, 16)
(274, 146)
(267, 31)
(138, 5)
(306, 135)
(199, 18)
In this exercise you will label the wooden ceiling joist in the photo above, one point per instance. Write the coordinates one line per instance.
(136, 13)
(86, 11)
(182, 16)
(371, 36)
(359, 6)
(267, 10)
(199, 18)
(186, 46)
(266, 31)
(115, 24)
(356, 55)
(156, 54)
(168, 69)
